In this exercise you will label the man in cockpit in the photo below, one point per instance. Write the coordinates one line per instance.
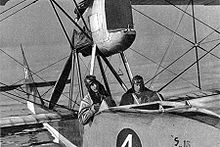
(91, 103)
(139, 94)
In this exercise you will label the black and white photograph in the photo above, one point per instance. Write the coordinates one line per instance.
(110, 73)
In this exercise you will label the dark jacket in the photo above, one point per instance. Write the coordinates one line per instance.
(145, 96)
(86, 110)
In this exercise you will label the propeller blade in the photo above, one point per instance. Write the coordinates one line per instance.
(60, 84)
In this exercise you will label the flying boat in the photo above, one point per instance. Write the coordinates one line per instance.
(183, 117)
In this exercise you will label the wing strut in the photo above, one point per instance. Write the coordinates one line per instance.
(196, 44)
(127, 67)
(92, 65)
(103, 75)
(60, 84)
(112, 70)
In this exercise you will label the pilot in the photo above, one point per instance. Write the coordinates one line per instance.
(139, 94)
(92, 101)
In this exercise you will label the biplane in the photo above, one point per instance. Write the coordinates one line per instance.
(188, 115)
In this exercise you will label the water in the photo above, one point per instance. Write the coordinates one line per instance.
(44, 45)
(39, 136)
(25, 138)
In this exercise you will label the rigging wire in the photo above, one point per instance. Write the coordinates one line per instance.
(210, 41)
(77, 9)
(62, 26)
(188, 68)
(47, 67)
(18, 11)
(30, 70)
(44, 94)
(169, 45)
(157, 22)
(87, 69)
(194, 17)
(70, 18)
(164, 68)
(12, 7)
(13, 98)
(21, 64)
(60, 21)
(202, 41)
(177, 35)
(175, 61)
(52, 3)
(32, 95)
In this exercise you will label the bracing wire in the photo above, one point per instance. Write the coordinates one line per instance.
(30, 100)
(77, 8)
(157, 22)
(59, 20)
(188, 67)
(171, 40)
(71, 19)
(61, 24)
(18, 11)
(177, 35)
(194, 17)
(87, 69)
(210, 41)
(164, 26)
(164, 68)
(45, 68)
(13, 98)
(30, 70)
(12, 7)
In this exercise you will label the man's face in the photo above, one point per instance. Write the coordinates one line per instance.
(94, 87)
(137, 87)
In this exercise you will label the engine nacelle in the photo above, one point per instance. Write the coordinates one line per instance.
(111, 24)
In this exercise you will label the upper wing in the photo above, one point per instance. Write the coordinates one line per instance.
(175, 2)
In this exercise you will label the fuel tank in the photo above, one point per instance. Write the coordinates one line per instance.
(111, 24)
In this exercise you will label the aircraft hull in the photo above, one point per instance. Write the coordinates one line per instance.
(122, 129)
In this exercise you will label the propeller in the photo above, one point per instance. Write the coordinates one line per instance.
(60, 84)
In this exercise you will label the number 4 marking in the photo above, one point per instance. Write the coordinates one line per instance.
(127, 140)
